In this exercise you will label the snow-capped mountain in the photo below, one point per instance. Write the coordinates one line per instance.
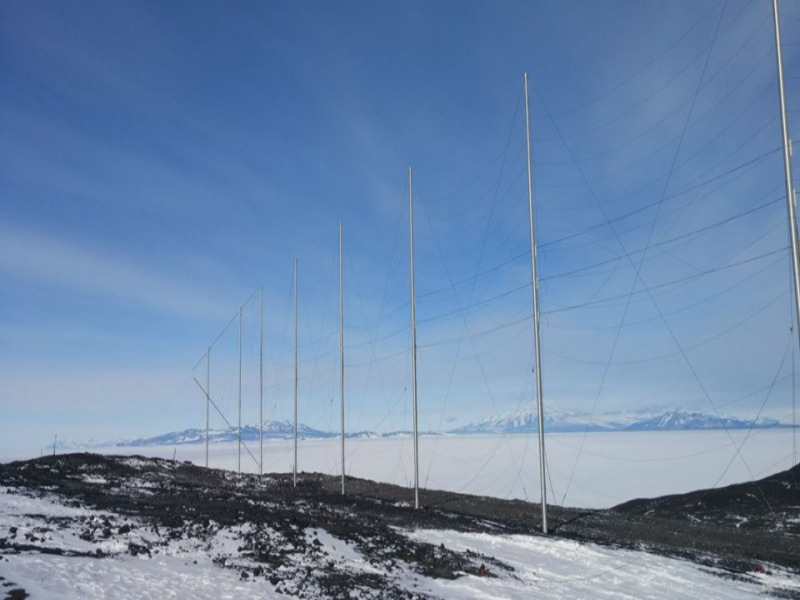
(275, 430)
(272, 430)
(526, 421)
(682, 421)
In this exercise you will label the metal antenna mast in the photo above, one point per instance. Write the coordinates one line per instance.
(261, 381)
(341, 345)
(787, 162)
(794, 409)
(208, 395)
(294, 474)
(239, 436)
(535, 289)
(413, 342)
(791, 196)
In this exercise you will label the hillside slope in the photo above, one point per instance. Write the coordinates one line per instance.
(178, 528)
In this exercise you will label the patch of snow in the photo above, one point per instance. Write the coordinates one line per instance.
(163, 576)
(341, 552)
(97, 480)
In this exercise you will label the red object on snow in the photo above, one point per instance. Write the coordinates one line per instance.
(759, 568)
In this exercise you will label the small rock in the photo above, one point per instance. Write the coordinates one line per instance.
(137, 549)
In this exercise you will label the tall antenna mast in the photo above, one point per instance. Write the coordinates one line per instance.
(791, 198)
(294, 474)
(413, 341)
(794, 409)
(239, 436)
(341, 345)
(208, 395)
(261, 381)
(535, 290)
(791, 195)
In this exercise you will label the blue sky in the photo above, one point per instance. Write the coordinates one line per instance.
(160, 161)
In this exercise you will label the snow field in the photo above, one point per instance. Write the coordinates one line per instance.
(566, 569)
(614, 466)
(182, 568)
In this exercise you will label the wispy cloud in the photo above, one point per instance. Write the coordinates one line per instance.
(60, 263)
(86, 403)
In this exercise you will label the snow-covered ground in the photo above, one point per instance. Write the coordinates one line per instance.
(564, 569)
(190, 567)
(179, 570)
(613, 466)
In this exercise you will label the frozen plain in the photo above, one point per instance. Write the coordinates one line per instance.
(613, 466)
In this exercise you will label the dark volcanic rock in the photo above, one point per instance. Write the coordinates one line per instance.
(737, 526)
(772, 503)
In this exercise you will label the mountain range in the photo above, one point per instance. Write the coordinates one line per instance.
(518, 422)
(562, 422)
